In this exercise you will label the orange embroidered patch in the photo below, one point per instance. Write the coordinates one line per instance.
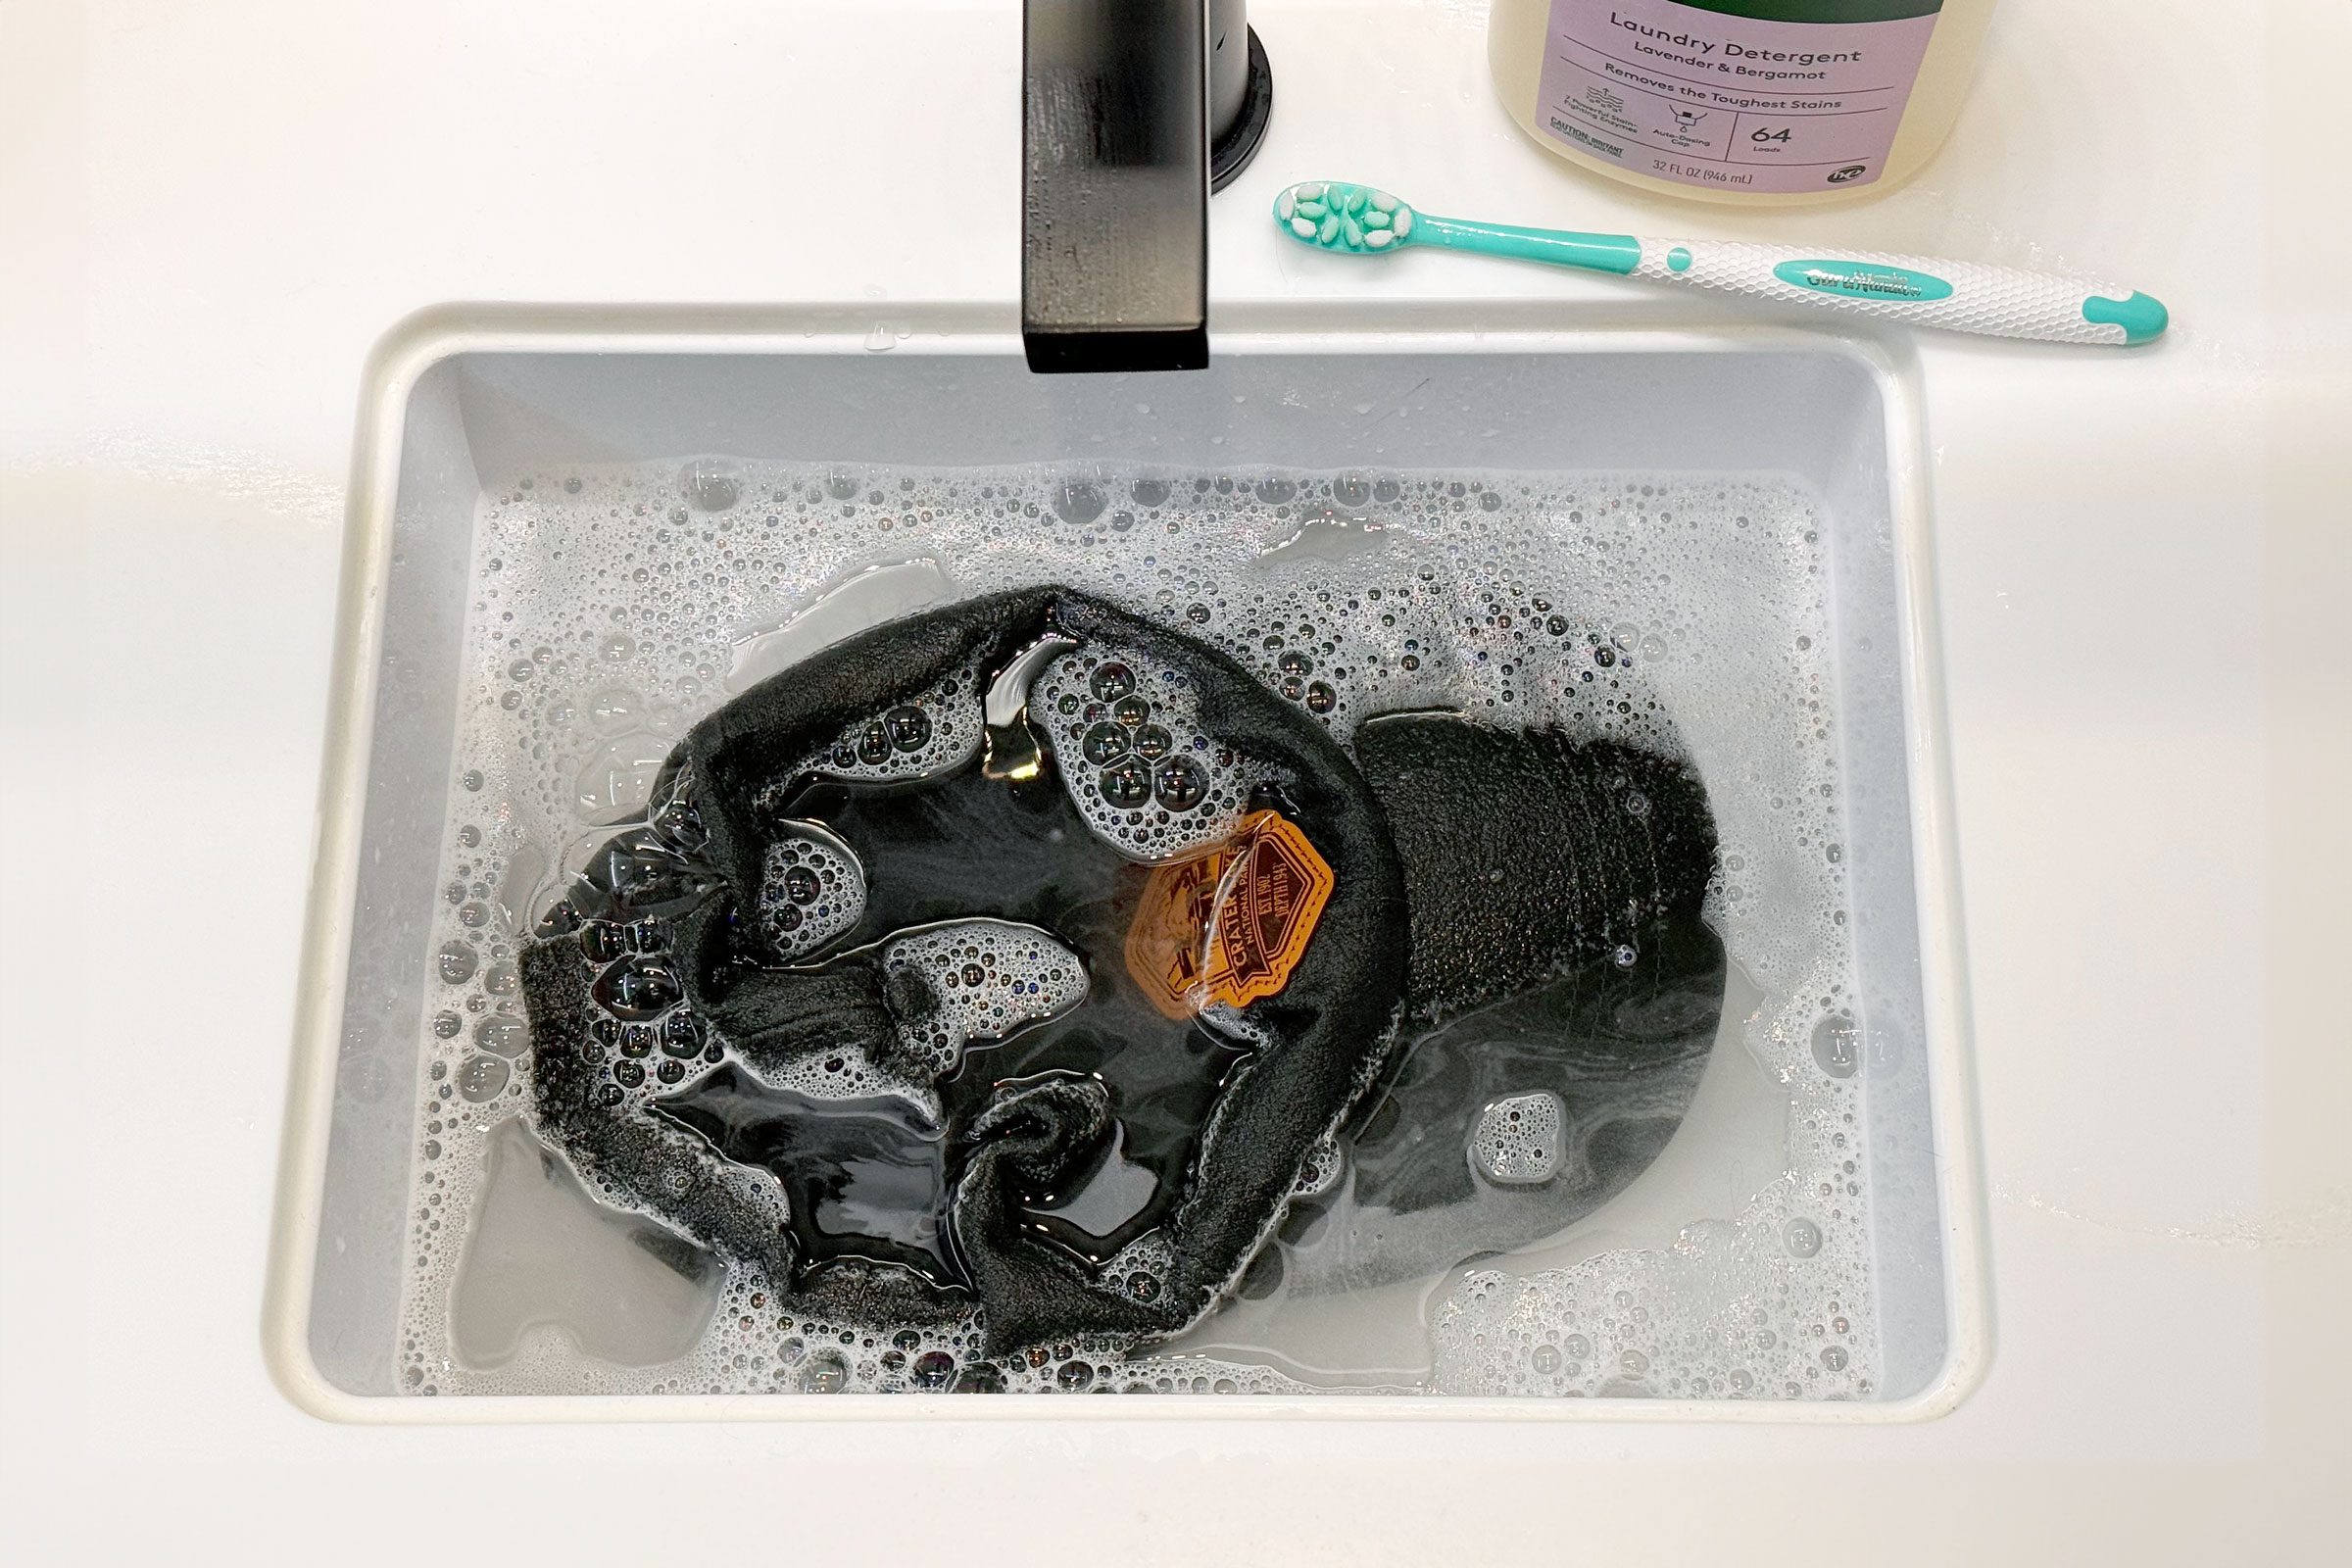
(1229, 924)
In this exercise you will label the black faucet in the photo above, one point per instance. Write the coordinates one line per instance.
(1133, 110)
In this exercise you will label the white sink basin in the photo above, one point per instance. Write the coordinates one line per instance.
(1752, 1194)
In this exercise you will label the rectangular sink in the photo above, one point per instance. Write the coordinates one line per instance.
(573, 536)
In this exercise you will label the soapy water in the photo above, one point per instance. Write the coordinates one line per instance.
(1684, 614)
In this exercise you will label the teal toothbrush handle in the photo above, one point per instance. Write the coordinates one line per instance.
(1918, 290)
(1598, 253)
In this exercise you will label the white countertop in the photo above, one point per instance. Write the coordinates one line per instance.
(209, 213)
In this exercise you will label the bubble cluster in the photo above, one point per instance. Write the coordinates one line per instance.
(983, 980)
(936, 732)
(641, 1034)
(1140, 1270)
(1133, 755)
(1321, 1172)
(811, 890)
(1685, 615)
(1517, 1141)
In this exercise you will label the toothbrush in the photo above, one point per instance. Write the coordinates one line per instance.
(1958, 296)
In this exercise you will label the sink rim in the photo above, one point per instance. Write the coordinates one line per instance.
(414, 346)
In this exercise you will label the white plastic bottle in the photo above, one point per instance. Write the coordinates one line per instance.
(1760, 102)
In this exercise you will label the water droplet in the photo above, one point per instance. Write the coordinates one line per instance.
(1179, 783)
(825, 1372)
(455, 962)
(601, 941)
(502, 1035)
(1104, 744)
(909, 726)
(711, 484)
(1111, 682)
(1837, 1046)
(681, 1034)
(1075, 501)
(637, 988)
(482, 1078)
(1126, 785)
(1802, 1237)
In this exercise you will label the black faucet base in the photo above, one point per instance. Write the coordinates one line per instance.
(1094, 349)
(1231, 153)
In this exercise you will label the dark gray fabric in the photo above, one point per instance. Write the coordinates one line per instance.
(1254, 1122)
(1526, 853)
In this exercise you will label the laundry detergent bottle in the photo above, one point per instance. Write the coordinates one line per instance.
(1761, 102)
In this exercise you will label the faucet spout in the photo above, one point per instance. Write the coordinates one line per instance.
(1132, 110)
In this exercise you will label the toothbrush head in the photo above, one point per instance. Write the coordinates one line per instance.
(1333, 216)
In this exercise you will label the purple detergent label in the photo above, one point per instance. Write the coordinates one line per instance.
(1702, 95)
